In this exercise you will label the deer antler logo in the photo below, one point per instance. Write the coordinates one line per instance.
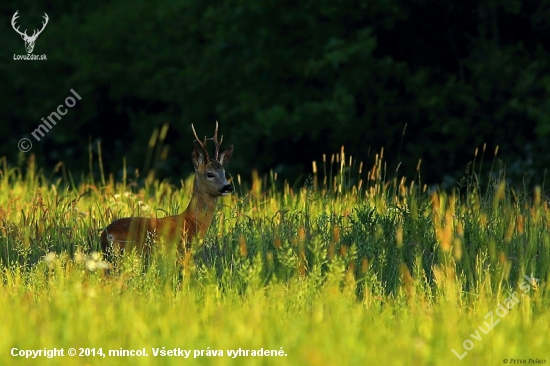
(29, 41)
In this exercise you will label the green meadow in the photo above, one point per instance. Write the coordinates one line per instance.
(358, 266)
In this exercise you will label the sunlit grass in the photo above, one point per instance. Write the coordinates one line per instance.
(356, 267)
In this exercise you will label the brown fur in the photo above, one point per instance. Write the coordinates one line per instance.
(132, 232)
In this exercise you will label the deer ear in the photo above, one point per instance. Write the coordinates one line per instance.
(198, 156)
(226, 155)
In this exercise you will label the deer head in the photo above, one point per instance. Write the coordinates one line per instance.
(29, 40)
(210, 175)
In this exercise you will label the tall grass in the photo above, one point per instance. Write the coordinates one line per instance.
(358, 266)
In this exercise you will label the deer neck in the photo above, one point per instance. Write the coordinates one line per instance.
(200, 211)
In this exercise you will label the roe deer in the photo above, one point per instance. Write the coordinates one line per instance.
(210, 183)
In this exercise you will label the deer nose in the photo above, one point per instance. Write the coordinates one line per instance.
(228, 188)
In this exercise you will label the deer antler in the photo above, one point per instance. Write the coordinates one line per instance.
(34, 33)
(13, 19)
(215, 139)
(202, 144)
(43, 26)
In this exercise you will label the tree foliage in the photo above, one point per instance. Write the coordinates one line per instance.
(288, 81)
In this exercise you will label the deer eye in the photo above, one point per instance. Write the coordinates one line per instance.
(210, 175)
